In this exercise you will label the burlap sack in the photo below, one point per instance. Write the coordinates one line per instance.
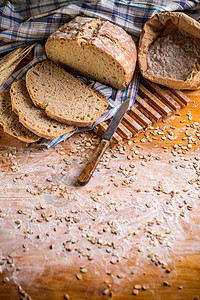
(152, 29)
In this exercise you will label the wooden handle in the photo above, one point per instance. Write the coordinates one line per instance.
(92, 163)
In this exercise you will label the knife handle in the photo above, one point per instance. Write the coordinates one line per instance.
(89, 169)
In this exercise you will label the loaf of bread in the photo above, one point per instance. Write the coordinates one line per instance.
(64, 98)
(32, 117)
(10, 121)
(96, 49)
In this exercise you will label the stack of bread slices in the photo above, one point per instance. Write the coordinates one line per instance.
(50, 102)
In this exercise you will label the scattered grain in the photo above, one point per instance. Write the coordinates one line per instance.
(79, 276)
(137, 287)
(135, 292)
(145, 287)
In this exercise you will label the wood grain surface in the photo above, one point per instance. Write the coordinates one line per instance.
(133, 231)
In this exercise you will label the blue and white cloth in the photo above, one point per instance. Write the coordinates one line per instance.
(28, 21)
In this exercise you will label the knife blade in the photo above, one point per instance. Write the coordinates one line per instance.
(89, 169)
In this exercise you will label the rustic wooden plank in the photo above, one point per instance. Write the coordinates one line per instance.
(144, 111)
(112, 192)
(139, 116)
(150, 110)
(123, 131)
(101, 128)
(161, 99)
(162, 108)
(184, 99)
(132, 123)
(109, 194)
(97, 129)
(161, 92)
(175, 98)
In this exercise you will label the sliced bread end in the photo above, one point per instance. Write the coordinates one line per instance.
(10, 121)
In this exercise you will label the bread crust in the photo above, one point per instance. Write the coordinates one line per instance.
(107, 37)
(55, 116)
(21, 138)
(27, 125)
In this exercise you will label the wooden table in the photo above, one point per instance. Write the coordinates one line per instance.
(134, 229)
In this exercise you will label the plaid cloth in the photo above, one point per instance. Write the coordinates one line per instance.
(28, 21)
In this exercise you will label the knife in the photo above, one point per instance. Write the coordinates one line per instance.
(89, 169)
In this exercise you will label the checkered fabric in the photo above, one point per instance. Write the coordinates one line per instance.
(28, 21)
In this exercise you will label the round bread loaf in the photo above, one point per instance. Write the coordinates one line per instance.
(96, 49)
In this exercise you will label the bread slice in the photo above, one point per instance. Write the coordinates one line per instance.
(96, 49)
(32, 117)
(64, 98)
(10, 121)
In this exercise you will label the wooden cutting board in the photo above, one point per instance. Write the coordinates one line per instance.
(153, 104)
